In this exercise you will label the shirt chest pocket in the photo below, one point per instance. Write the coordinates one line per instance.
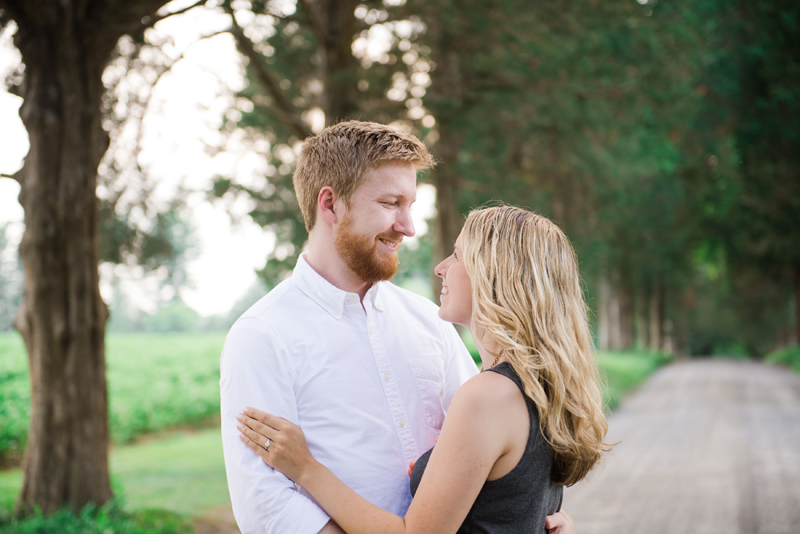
(429, 379)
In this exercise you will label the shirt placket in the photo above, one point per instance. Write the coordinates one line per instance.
(391, 390)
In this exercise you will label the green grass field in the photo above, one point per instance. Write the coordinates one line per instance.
(182, 472)
(623, 371)
(155, 382)
(159, 381)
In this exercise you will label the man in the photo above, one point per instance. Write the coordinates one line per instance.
(366, 368)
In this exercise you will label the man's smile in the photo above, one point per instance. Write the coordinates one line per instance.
(393, 245)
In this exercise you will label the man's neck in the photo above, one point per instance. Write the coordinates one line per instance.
(332, 268)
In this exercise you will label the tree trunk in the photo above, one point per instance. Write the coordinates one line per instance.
(657, 315)
(339, 65)
(65, 47)
(626, 316)
(795, 336)
(446, 103)
(641, 320)
(603, 322)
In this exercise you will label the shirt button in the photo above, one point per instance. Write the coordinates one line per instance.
(379, 306)
(337, 313)
(370, 331)
(351, 298)
(402, 424)
(386, 377)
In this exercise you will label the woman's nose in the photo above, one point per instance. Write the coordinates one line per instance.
(441, 269)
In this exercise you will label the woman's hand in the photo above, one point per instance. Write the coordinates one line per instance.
(286, 448)
(559, 523)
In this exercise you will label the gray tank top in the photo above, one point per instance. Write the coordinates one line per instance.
(520, 501)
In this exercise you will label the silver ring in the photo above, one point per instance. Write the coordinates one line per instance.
(266, 445)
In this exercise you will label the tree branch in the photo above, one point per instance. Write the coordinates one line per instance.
(288, 113)
(316, 21)
(159, 18)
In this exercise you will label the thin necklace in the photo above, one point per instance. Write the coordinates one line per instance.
(497, 358)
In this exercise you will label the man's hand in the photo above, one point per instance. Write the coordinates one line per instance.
(331, 528)
(559, 523)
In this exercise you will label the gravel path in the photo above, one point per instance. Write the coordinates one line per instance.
(707, 447)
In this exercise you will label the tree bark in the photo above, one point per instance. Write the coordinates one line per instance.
(626, 316)
(657, 315)
(334, 23)
(65, 47)
(448, 218)
(796, 294)
(446, 103)
(603, 313)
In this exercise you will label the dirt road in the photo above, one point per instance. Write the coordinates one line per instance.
(706, 447)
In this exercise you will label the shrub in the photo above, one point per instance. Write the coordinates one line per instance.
(788, 356)
(108, 519)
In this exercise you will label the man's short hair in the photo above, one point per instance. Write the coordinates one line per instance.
(343, 155)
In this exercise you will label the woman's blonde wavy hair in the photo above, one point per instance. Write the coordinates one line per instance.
(527, 296)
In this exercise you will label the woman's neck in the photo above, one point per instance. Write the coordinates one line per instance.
(490, 352)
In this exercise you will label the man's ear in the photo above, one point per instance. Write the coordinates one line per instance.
(328, 205)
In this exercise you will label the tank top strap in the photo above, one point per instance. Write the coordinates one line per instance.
(505, 369)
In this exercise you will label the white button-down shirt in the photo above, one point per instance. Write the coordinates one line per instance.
(369, 386)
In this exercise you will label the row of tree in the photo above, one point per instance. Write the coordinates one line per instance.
(664, 138)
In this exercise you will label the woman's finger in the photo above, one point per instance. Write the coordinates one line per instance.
(255, 447)
(258, 439)
(266, 418)
(257, 426)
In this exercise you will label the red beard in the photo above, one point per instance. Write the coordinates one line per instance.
(360, 253)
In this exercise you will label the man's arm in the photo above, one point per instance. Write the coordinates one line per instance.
(253, 373)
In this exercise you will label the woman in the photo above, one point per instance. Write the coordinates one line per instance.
(513, 436)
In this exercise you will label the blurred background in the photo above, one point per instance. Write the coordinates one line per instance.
(662, 136)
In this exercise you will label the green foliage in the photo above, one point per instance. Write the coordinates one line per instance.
(155, 382)
(623, 371)
(174, 316)
(788, 356)
(10, 281)
(15, 395)
(662, 137)
(158, 381)
(92, 520)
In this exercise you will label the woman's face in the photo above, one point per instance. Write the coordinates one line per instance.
(456, 298)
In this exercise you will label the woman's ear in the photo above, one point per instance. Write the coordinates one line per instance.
(327, 205)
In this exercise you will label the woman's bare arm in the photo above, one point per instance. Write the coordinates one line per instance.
(476, 432)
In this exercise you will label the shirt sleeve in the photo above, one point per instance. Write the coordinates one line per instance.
(254, 372)
(458, 366)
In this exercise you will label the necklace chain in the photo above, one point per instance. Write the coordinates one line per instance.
(497, 358)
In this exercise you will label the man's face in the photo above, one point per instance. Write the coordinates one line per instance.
(378, 219)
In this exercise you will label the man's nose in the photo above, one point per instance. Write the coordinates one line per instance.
(404, 223)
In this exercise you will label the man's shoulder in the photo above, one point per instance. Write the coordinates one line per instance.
(275, 304)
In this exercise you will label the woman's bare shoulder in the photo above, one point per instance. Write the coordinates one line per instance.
(487, 389)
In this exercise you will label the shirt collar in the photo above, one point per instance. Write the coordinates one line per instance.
(329, 297)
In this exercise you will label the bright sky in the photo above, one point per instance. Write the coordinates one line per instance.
(183, 118)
